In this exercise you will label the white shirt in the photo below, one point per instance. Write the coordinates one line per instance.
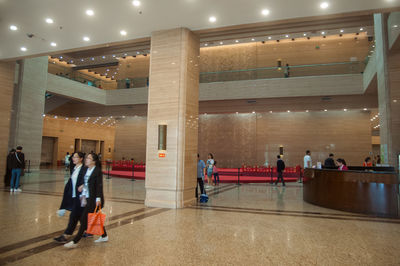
(85, 190)
(74, 178)
(307, 159)
(210, 163)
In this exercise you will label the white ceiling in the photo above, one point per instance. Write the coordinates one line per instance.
(112, 16)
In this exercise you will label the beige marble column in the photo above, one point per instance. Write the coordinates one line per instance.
(28, 105)
(173, 101)
(6, 91)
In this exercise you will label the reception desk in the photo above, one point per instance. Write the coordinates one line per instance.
(373, 193)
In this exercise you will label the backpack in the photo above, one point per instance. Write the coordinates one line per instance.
(203, 198)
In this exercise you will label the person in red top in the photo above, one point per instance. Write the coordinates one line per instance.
(342, 164)
(367, 162)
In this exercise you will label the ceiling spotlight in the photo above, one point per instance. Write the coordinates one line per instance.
(136, 3)
(212, 19)
(13, 27)
(86, 39)
(123, 33)
(49, 21)
(53, 44)
(89, 12)
(23, 49)
(265, 12)
(324, 5)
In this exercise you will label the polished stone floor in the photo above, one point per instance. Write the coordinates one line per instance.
(252, 224)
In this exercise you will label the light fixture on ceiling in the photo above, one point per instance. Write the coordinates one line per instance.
(123, 33)
(13, 27)
(23, 49)
(86, 39)
(89, 12)
(265, 12)
(212, 19)
(324, 5)
(136, 3)
(49, 21)
(53, 44)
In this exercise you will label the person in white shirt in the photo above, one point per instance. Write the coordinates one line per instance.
(66, 161)
(307, 162)
(71, 198)
(209, 167)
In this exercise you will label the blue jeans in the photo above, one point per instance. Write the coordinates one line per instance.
(15, 175)
(216, 175)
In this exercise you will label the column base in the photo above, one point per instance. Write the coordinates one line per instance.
(169, 198)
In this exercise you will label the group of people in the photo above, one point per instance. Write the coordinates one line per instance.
(210, 169)
(83, 193)
(14, 169)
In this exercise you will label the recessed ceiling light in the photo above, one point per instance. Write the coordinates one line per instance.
(23, 49)
(122, 32)
(53, 44)
(324, 5)
(212, 19)
(89, 12)
(265, 12)
(136, 3)
(13, 27)
(49, 21)
(86, 39)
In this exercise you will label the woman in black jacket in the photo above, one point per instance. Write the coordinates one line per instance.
(91, 188)
(71, 200)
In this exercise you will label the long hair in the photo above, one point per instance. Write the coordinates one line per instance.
(210, 154)
(96, 159)
(81, 155)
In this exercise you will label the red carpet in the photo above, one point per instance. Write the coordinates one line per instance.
(225, 176)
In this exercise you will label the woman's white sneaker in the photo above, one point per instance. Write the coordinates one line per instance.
(70, 244)
(101, 239)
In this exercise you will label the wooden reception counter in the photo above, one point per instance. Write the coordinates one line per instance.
(374, 193)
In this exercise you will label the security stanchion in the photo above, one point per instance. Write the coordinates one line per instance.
(29, 167)
(133, 172)
(238, 183)
(108, 164)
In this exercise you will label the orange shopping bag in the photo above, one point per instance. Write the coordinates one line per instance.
(96, 222)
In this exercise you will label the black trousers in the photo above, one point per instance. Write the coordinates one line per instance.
(74, 216)
(84, 220)
(280, 177)
(201, 184)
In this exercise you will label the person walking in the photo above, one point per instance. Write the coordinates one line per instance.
(200, 175)
(210, 165)
(287, 71)
(70, 199)
(280, 167)
(17, 162)
(215, 172)
(91, 189)
(7, 175)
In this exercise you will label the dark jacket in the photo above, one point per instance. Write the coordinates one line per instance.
(329, 163)
(67, 201)
(95, 186)
(17, 163)
(280, 165)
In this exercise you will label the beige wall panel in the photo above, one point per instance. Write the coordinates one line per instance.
(6, 90)
(68, 130)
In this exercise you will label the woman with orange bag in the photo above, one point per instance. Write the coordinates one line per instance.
(91, 188)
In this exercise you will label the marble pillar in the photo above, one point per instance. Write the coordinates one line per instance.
(6, 90)
(173, 101)
(28, 106)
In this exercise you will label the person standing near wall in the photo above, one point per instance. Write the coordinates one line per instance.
(216, 174)
(330, 162)
(287, 71)
(66, 161)
(307, 162)
(200, 175)
(280, 167)
(7, 176)
(17, 167)
(210, 165)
